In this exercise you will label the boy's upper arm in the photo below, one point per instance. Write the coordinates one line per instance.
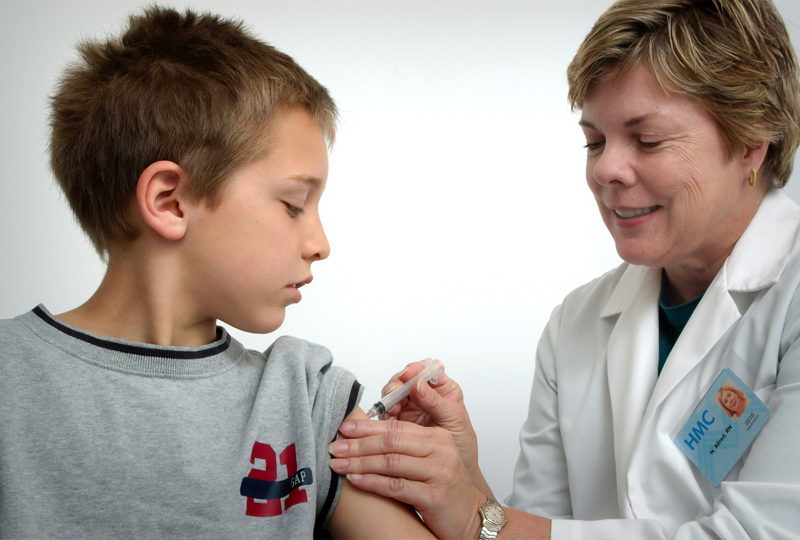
(365, 515)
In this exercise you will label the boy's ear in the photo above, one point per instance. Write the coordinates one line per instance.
(159, 199)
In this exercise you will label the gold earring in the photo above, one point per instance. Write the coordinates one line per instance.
(752, 177)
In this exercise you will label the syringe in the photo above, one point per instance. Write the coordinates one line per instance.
(433, 368)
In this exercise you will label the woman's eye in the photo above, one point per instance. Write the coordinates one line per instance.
(293, 210)
(649, 144)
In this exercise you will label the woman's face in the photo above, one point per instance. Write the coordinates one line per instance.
(731, 401)
(658, 169)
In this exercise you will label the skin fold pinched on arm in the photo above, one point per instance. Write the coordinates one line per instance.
(423, 464)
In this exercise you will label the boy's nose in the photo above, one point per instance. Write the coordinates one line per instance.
(317, 247)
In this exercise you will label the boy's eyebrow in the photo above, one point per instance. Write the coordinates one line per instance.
(307, 179)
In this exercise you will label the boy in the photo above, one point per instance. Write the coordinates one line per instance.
(194, 157)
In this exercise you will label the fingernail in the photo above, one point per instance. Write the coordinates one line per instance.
(402, 372)
(347, 427)
(354, 476)
(422, 388)
(338, 464)
(338, 447)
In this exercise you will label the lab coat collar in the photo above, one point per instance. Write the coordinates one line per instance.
(626, 290)
(760, 255)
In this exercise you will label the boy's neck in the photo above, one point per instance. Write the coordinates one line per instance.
(142, 301)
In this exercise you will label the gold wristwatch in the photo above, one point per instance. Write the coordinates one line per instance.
(494, 517)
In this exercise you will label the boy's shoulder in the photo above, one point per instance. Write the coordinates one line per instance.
(16, 332)
(289, 351)
(308, 367)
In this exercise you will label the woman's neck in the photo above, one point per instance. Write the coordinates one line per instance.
(686, 284)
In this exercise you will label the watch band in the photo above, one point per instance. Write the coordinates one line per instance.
(487, 534)
(494, 518)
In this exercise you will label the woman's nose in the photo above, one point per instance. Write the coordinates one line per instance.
(613, 165)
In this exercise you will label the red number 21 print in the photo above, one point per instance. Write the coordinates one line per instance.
(269, 476)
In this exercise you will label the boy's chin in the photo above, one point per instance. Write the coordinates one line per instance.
(259, 323)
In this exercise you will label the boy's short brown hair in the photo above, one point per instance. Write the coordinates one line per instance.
(195, 89)
(733, 57)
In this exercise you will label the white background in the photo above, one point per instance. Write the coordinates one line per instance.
(456, 205)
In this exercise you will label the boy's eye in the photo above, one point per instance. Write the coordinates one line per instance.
(593, 145)
(293, 210)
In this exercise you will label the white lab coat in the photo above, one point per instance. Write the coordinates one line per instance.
(596, 451)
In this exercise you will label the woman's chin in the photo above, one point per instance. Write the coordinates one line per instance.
(637, 254)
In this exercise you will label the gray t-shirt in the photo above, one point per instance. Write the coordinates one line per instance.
(104, 438)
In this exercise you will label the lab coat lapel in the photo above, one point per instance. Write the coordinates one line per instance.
(632, 360)
(715, 313)
(756, 261)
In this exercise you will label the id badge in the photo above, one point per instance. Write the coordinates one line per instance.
(722, 426)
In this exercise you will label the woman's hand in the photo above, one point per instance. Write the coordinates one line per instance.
(414, 464)
(442, 408)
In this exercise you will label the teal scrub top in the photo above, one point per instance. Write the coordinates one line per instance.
(671, 321)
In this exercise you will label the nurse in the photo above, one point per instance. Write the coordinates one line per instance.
(690, 110)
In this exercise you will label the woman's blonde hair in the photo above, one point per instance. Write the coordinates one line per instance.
(733, 57)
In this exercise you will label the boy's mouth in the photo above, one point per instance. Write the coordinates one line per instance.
(305, 282)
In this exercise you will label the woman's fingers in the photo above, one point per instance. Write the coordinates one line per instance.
(417, 465)
(388, 465)
(443, 412)
(365, 428)
(386, 442)
(395, 382)
(399, 378)
(399, 489)
(393, 449)
(407, 409)
(411, 370)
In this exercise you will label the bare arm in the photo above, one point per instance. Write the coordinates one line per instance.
(360, 514)
(429, 460)
(421, 466)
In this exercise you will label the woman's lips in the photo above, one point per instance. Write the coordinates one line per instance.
(629, 213)
(634, 218)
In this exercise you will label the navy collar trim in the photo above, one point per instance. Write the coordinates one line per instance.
(129, 348)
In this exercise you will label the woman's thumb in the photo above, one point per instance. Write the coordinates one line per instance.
(431, 403)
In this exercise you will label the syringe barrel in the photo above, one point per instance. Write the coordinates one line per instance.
(431, 371)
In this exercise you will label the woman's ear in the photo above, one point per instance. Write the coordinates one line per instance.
(754, 157)
(159, 199)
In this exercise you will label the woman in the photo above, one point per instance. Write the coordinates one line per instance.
(690, 110)
(732, 401)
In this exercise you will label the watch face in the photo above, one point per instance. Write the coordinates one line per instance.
(494, 514)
